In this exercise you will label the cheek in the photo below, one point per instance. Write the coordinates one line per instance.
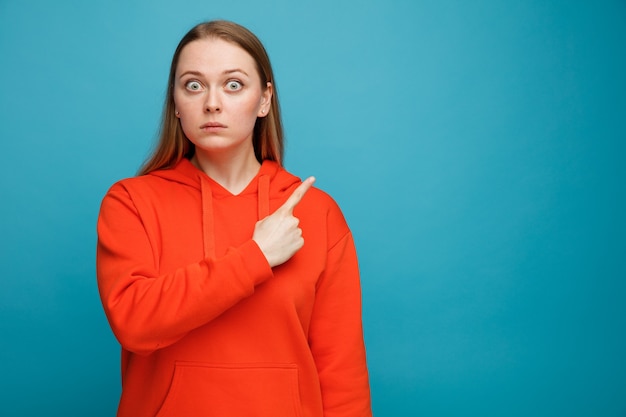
(180, 103)
(188, 117)
(250, 107)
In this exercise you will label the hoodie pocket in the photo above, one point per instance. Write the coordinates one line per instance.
(227, 390)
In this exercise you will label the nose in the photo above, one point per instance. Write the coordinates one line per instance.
(213, 102)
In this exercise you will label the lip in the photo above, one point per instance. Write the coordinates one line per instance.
(212, 125)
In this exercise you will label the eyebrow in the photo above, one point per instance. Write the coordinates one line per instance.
(198, 73)
(236, 70)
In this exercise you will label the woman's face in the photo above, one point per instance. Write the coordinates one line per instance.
(218, 96)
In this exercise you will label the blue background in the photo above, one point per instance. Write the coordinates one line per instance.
(476, 148)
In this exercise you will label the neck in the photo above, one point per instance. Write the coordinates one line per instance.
(234, 173)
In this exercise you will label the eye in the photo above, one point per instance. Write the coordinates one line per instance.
(193, 86)
(234, 85)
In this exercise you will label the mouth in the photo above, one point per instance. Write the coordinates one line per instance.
(212, 125)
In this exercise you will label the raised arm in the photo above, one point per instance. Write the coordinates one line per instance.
(148, 310)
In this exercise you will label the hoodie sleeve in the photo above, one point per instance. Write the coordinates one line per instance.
(336, 334)
(148, 311)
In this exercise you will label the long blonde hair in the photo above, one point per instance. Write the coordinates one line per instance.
(267, 137)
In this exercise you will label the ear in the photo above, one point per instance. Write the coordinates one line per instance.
(266, 100)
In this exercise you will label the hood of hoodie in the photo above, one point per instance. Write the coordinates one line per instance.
(271, 182)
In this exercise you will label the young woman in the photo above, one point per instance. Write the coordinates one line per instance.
(231, 285)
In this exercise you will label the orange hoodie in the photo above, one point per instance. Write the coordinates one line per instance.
(207, 328)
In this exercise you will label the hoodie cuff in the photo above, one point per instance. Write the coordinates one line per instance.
(255, 262)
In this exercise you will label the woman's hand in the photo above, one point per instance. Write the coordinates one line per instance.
(278, 235)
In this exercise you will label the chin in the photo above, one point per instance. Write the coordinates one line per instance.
(220, 145)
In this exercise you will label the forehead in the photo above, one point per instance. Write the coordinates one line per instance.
(214, 55)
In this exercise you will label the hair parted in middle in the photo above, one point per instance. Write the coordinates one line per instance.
(267, 137)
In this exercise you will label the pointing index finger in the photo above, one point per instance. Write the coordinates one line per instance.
(297, 194)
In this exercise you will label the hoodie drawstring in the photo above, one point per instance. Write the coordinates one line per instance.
(208, 228)
(264, 196)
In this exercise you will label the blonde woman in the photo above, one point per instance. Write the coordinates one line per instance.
(231, 285)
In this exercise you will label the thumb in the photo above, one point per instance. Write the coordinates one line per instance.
(297, 195)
